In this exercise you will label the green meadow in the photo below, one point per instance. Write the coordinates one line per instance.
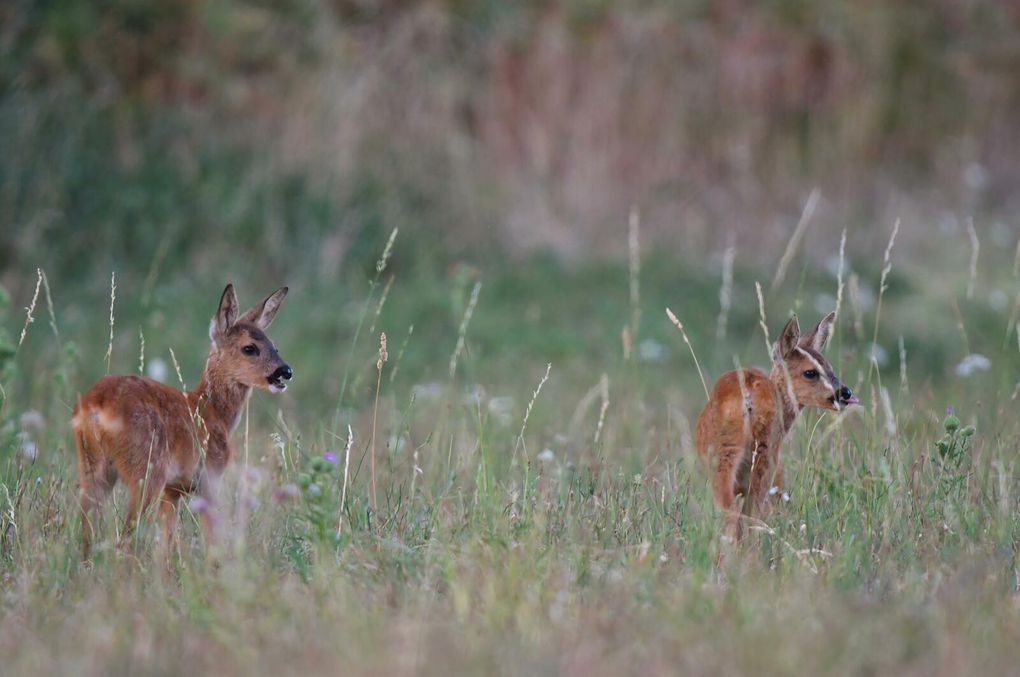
(536, 506)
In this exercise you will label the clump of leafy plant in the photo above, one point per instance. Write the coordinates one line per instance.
(953, 451)
(316, 484)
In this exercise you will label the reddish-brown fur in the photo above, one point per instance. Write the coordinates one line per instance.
(165, 443)
(750, 413)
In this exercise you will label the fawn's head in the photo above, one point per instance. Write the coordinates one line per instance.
(241, 350)
(811, 377)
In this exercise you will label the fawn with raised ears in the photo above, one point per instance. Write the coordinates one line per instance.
(749, 414)
(165, 443)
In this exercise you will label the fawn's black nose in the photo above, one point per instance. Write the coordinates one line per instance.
(846, 396)
(284, 372)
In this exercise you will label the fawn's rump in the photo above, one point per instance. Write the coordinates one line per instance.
(121, 429)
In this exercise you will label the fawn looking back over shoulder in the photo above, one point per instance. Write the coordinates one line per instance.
(749, 414)
(165, 443)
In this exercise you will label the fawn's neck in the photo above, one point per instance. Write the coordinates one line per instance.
(789, 408)
(219, 398)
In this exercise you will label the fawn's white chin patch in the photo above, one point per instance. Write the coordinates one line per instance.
(277, 386)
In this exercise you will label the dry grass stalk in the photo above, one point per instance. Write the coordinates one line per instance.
(960, 325)
(49, 306)
(582, 407)
(633, 247)
(113, 298)
(975, 249)
(679, 325)
(761, 319)
(462, 332)
(904, 384)
(854, 287)
(383, 356)
(604, 390)
(726, 290)
(769, 351)
(141, 351)
(839, 273)
(745, 396)
(177, 368)
(890, 418)
(29, 319)
(527, 413)
(343, 489)
(382, 302)
(380, 265)
(400, 353)
(195, 416)
(798, 234)
(1013, 315)
(882, 286)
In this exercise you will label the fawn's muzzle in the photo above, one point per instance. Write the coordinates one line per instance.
(277, 378)
(846, 396)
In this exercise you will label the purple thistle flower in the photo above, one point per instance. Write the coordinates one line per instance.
(330, 456)
(950, 410)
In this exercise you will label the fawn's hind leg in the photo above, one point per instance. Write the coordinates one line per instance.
(168, 506)
(96, 477)
(723, 489)
(760, 482)
(141, 494)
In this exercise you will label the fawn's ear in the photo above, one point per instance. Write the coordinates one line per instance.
(788, 339)
(819, 337)
(226, 313)
(262, 314)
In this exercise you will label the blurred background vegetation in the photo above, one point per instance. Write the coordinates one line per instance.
(182, 144)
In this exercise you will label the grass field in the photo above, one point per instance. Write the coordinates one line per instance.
(533, 525)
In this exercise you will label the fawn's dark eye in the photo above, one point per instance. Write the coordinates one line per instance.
(811, 374)
(250, 350)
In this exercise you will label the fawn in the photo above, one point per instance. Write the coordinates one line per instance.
(750, 413)
(165, 443)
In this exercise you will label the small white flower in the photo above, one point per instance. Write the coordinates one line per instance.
(547, 456)
(157, 370)
(27, 446)
(998, 300)
(650, 350)
(879, 354)
(427, 391)
(32, 419)
(198, 504)
(502, 409)
(314, 489)
(975, 176)
(972, 363)
(474, 396)
(824, 303)
(29, 450)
